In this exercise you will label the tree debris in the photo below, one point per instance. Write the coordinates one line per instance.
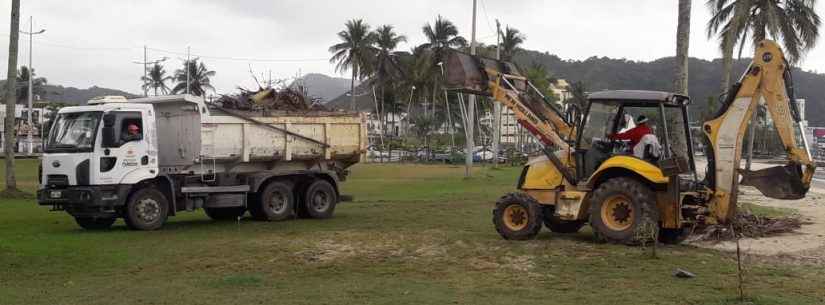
(271, 98)
(748, 225)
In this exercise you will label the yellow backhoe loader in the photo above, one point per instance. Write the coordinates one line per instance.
(585, 176)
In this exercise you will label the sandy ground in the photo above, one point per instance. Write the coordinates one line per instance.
(805, 245)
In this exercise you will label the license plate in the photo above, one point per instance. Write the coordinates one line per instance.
(55, 194)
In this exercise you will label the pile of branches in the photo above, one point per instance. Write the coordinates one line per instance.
(266, 99)
(748, 225)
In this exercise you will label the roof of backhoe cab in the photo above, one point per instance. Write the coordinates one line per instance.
(639, 97)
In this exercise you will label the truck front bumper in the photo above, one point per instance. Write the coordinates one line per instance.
(85, 201)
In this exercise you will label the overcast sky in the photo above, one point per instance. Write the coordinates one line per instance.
(95, 42)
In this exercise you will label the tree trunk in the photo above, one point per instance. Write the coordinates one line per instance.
(352, 87)
(727, 63)
(9, 138)
(676, 128)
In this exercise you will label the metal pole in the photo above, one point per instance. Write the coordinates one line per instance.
(497, 105)
(31, 74)
(145, 62)
(468, 130)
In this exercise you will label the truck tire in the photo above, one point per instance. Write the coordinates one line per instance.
(517, 216)
(146, 209)
(623, 211)
(91, 223)
(673, 236)
(320, 199)
(224, 213)
(556, 225)
(274, 203)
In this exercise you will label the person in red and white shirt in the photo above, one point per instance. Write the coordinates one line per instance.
(635, 134)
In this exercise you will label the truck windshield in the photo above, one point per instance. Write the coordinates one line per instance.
(73, 132)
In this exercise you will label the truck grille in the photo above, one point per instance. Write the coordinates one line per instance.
(57, 180)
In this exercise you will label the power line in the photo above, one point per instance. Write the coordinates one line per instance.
(245, 59)
(487, 17)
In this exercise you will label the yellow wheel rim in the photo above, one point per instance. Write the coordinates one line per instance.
(515, 217)
(617, 213)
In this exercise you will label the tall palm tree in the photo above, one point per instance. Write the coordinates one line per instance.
(442, 35)
(8, 147)
(199, 78)
(511, 41)
(22, 79)
(354, 52)
(156, 79)
(793, 22)
(387, 67)
(678, 143)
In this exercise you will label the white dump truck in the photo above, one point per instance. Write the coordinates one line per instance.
(148, 158)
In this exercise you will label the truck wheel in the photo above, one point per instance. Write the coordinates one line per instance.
(90, 223)
(224, 213)
(274, 203)
(517, 216)
(320, 199)
(623, 211)
(556, 225)
(146, 210)
(673, 236)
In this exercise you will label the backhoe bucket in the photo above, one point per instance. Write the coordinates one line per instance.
(779, 182)
(469, 74)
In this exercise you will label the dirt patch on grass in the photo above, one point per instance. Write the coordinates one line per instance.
(376, 247)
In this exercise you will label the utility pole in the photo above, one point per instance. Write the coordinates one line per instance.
(145, 64)
(471, 105)
(11, 98)
(497, 105)
(29, 140)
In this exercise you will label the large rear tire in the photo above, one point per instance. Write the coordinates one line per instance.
(225, 213)
(146, 210)
(556, 225)
(320, 199)
(623, 211)
(517, 216)
(90, 223)
(275, 202)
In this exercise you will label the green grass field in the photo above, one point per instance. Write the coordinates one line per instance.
(415, 234)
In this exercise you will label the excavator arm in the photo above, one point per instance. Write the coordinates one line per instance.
(504, 83)
(767, 80)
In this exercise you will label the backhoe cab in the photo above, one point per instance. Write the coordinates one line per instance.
(631, 192)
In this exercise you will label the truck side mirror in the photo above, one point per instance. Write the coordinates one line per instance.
(110, 138)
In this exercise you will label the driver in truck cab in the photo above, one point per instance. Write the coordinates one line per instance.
(131, 133)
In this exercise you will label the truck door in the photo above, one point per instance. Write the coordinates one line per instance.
(126, 158)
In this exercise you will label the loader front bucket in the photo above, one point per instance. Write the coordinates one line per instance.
(779, 182)
(471, 74)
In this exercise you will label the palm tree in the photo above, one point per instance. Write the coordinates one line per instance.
(794, 22)
(511, 39)
(678, 143)
(198, 78)
(354, 52)
(22, 79)
(156, 79)
(8, 147)
(387, 67)
(442, 35)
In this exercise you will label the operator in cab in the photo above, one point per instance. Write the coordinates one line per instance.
(641, 134)
(131, 133)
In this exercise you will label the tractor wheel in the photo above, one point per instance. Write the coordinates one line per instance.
(673, 236)
(146, 210)
(320, 199)
(90, 223)
(274, 203)
(517, 216)
(556, 225)
(224, 213)
(623, 211)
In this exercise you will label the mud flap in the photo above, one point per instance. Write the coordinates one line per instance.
(779, 182)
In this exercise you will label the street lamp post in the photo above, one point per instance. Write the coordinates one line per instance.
(31, 33)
